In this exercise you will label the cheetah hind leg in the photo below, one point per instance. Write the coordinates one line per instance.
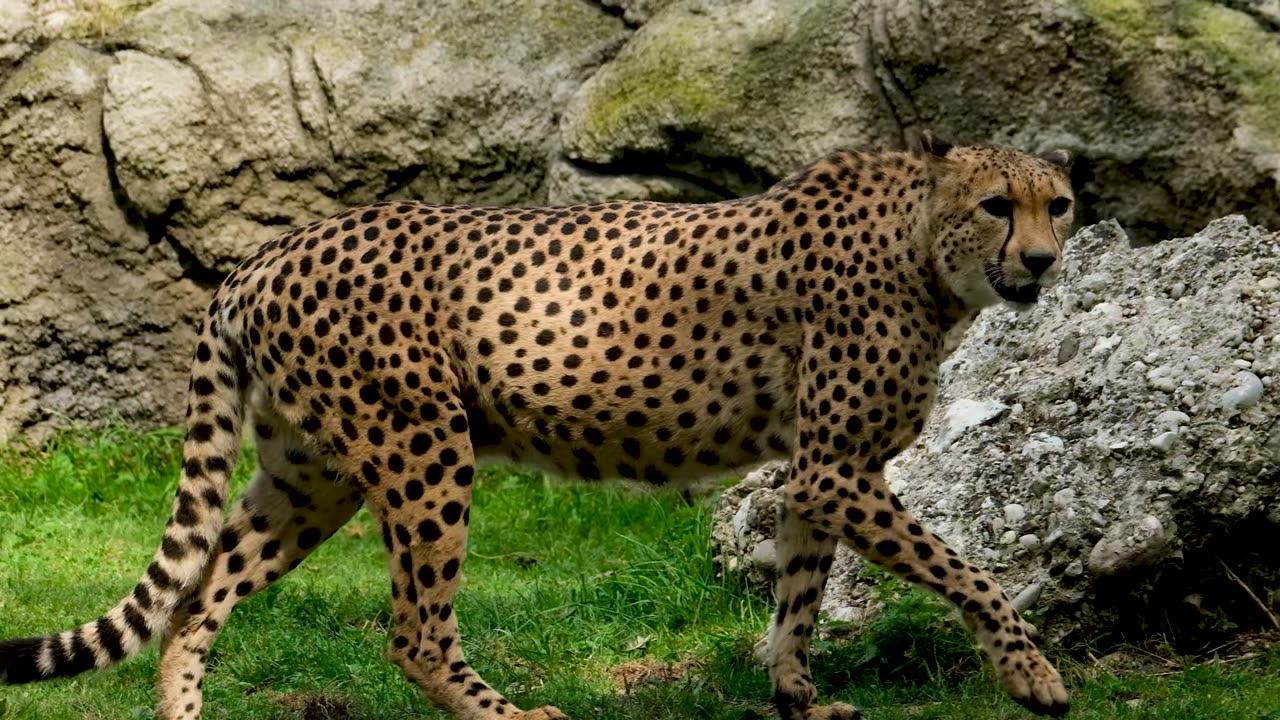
(290, 508)
(805, 552)
(419, 487)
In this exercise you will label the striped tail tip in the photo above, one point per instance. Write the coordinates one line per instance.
(20, 661)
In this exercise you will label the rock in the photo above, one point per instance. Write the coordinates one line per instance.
(193, 131)
(1043, 445)
(1149, 482)
(1165, 441)
(1129, 545)
(1026, 599)
(1172, 418)
(1014, 514)
(765, 555)
(637, 11)
(1245, 394)
(739, 91)
(962, 415)
(134, 174)
(1064, 497)
(746, 518)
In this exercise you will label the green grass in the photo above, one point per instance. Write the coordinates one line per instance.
(564, 585)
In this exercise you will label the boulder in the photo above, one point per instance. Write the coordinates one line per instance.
(1137, 454)
(145, 147)
(1172, 109)
(137, 169)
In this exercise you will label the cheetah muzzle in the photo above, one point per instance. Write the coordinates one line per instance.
(376, 353)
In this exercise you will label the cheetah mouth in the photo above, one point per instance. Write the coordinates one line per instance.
(1021, 295)
(1025, 295)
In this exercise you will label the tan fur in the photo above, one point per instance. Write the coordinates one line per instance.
(383, 349)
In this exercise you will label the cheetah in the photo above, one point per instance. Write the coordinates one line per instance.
(378, 353)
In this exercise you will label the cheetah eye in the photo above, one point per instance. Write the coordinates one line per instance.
(997, 206)
(1059, 206)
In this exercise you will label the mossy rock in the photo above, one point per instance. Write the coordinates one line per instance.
(1228, 41)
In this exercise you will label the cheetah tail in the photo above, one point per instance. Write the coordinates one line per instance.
(214, 416)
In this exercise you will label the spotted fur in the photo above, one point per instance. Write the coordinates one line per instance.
(380, 351)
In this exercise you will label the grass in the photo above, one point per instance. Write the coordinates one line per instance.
(570, 592)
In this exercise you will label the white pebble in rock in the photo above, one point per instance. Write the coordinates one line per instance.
(1026, 599)
(1029, 541)
(1246, 393)
(765, 554)
(962, 415)
(1014, 514)
(1172, 418)
(1064, 497)
(1165, 441)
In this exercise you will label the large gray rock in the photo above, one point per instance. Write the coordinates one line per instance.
(1141, 439)
(134, 174)
(1173, 109)
(142, 162)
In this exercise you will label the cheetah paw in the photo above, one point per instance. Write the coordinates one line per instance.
(546, 712)
(793, 696)
(834, 711)
(1034, 684)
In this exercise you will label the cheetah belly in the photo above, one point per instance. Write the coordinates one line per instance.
(684, 457)
(574, 412)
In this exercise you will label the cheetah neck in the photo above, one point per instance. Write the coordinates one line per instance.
(855, 213)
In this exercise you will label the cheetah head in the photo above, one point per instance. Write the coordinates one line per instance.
(1000, 218)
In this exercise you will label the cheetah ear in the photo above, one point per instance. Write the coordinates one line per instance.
(1061, 158)
(934, 145)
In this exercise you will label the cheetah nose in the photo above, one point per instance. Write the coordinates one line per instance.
(1038, 261)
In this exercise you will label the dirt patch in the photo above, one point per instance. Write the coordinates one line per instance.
(650, 671)
(1160, 657)
(315, 706)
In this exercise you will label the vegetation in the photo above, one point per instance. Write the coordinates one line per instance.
(603, 601)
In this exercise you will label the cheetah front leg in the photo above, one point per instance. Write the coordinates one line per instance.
(858, 507)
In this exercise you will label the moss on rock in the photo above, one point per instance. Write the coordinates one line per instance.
(1227, 41)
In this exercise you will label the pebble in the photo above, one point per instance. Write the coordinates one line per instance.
(1074, 569)
(1009, 537)
(1161, 378)
(1269, 283)
(1039, 447)
(1165, 441)
(1070, 345)
(962, 415)
(1014, 514)
(765, 554)
(1029, 541)
(1109, 310)
(1026, 599)
(1172, 418)
(1246, 393)
(1064, 497)
(1106, 344)
(1177, 290)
